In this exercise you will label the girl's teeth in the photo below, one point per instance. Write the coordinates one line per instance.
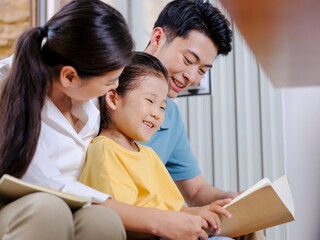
(148, 124)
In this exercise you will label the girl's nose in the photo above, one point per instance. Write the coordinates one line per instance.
(155, 114)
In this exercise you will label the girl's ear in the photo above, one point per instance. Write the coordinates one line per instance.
(112, 99)
(158, 38)
(69, 77)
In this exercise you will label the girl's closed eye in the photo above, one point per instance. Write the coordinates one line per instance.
(149, 100)
(163, 105)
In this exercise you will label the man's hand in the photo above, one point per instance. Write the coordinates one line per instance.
(233, 195)
(197, 192)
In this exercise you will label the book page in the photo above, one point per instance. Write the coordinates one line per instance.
(262, 183)
(282, 188)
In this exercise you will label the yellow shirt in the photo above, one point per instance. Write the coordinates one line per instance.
(136, 178)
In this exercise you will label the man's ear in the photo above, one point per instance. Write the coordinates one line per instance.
(69, 77)
(112, 99)
(158, 38)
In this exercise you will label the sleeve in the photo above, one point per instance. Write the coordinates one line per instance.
(105, 172)
(43, 172)
(5, 67)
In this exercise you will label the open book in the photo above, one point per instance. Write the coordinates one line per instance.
(262, 206)
(12, 188)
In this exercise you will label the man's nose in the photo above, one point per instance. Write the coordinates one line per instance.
(190, 76)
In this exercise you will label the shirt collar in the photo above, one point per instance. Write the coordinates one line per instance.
(87, 112)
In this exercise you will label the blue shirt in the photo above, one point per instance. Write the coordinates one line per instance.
(172, 145)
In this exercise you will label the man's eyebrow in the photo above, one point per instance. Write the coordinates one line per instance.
(198, 59)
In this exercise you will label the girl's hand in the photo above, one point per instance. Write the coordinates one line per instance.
(170, 225)
(178, 224)
(210, 214)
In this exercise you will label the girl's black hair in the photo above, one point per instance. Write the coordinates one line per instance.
(90, 36)
(179, 17)
(141, 65)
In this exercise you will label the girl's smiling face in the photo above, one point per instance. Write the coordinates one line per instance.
(140, 113)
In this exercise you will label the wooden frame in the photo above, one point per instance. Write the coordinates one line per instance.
(38, 12)
(33, 13)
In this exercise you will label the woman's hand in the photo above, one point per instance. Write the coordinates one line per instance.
(210, 214)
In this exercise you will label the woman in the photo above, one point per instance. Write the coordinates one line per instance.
(48, 118)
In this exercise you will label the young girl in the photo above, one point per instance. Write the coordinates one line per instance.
(118, 165)
(49, 114)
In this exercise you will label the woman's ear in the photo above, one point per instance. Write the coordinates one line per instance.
(112, 99)
(69, 77)
(158, 38)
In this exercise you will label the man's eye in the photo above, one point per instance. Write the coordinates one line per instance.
(201, 71)
(187, 61)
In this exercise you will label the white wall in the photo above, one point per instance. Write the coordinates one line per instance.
(302, 159)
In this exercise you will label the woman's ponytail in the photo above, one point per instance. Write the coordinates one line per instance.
(21, 104)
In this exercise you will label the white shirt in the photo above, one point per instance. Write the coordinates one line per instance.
(61, 151)
(5, 66)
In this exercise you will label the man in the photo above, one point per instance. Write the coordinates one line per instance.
(187, 37)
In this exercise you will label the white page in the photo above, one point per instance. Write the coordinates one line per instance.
(282, 188)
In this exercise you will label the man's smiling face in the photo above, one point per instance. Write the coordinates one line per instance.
(186, 59)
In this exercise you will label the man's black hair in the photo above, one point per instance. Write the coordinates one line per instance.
(179, 17)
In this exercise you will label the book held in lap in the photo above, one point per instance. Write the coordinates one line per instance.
(12, 188)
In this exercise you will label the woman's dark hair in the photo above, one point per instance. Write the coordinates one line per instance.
(179, 17)
(141, 65)
(90, 36)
